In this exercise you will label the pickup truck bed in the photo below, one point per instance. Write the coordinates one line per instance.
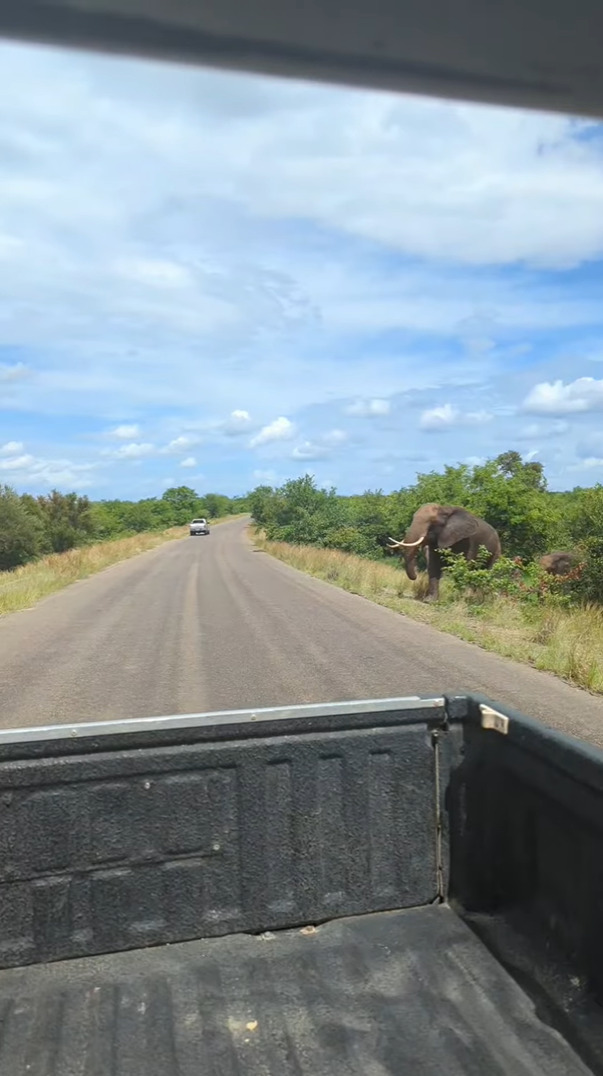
(401, 886)
(409, 991)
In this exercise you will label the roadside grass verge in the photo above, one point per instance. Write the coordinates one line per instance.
(24, 587)
(565, 641)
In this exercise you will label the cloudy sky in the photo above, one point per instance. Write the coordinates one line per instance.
(221, 280)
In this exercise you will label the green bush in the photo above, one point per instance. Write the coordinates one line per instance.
(22, 535)
(351, 540)
(510, 494)
(476, 583)
(509, 577)
(587, 582)
(31, 527)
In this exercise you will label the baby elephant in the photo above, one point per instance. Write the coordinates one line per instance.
(558, 563)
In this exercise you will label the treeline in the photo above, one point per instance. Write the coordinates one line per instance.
(510, 494)
(31, 527)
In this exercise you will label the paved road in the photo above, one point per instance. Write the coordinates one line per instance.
(210, 624)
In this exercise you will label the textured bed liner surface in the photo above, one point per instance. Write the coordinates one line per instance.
(396, 992)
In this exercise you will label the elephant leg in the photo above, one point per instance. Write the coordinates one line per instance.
(434, 571)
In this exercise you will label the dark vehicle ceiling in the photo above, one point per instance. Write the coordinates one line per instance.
(541, 54)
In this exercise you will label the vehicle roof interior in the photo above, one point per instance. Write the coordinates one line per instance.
(541, 54)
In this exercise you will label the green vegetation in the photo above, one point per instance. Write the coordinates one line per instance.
(567, 641)
(35, 527)
(515, 609)
(510, 494)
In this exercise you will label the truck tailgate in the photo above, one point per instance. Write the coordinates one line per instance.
(393, 992)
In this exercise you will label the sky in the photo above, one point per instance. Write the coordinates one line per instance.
(223, 280)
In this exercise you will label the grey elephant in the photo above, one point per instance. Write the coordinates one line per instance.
(558, 563)
(443, 526)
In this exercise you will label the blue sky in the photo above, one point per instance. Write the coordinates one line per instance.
(221, 280)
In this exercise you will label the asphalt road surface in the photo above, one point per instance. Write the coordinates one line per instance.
(211, 624)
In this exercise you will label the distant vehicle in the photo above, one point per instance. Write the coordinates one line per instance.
(199, 526)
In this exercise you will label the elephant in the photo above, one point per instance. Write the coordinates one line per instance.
(444, 526)
(558, 563)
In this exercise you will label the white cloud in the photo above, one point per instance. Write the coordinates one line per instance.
(190, 461)
(438, 418)
(27, 469)
(434, 179)
(281, 429)
(183, 282)
(63, 474)
(238, 422)
(447, 416)
(321, 446)
(134, 451)
(125, 433)
(182, 442)
(17, 463)
(369, 408)
(11, 448)
(557, 398)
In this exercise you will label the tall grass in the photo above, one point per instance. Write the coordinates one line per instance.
(24, 587)
(564, 641)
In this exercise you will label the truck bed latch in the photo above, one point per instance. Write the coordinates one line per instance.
(492, 719)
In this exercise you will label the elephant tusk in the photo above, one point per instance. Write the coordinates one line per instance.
(394, 543)
(412, 545)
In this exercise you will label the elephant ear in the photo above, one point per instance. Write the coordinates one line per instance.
(460, 524)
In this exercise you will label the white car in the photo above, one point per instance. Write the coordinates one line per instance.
(199, 526)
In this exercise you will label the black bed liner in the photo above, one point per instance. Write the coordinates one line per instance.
(448, 854)
(411, 991)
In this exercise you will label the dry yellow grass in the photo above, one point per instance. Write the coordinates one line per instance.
(24, 587)
(567, 642)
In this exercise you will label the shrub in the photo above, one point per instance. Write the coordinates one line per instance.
(22, 535)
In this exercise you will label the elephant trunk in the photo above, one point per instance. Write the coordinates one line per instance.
(410, 563)
(414, 539)
(409, 547)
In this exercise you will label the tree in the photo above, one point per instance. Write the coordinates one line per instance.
(510, 496)
(184, 504)
(21, 532)
(215, 505)
(511, 465)
(261, 500)
(299, 512)
(67, 519)
(451, 487)
(372, 516)
(586, 522)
